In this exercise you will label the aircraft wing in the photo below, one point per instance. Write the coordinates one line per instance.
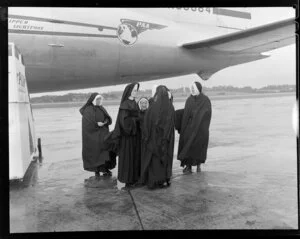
(242, 47)
(256, 40)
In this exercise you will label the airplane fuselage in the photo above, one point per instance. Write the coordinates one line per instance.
(73, 48)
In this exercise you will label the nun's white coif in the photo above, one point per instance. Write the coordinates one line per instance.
(97, 97)
(194, 89)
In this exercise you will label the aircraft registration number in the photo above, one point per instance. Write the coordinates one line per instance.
(194, 9)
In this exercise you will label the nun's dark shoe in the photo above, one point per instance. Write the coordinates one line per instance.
(168, 182)
(151, 187)
(129, 185)
(97, 174)
(198, 169)
(138, 185)
(187, 169)
(126, 188)
(107, 173)
(161, 185)
(102, 170)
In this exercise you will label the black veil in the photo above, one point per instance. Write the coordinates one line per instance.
(89, 102)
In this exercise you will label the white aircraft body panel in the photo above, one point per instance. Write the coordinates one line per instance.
(76, 48)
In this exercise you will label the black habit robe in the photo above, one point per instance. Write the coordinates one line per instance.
(128, 134)
(93, 153)
(158, 132)
(178, 119)
(142, 114)
(194, 130)
(151, 100)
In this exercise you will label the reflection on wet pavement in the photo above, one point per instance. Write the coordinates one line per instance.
(248, 182)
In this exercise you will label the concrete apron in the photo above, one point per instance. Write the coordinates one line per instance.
(205, 200)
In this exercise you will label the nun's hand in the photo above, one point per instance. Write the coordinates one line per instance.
(100, 124)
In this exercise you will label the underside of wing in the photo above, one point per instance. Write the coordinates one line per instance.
(255, 40)
(244, 46)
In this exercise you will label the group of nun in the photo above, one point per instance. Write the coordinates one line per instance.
(143, 136)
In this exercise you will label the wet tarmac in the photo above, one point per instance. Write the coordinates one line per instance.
(248, 182)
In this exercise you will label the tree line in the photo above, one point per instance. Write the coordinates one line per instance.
(182, 91)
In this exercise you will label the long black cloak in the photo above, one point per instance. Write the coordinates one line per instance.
(194, 130)
(142, 114)
(151, 100)
(93, 153)
(178, 119)
(126, 138)
(158, 131)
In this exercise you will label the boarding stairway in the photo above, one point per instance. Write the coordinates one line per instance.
(22, 141)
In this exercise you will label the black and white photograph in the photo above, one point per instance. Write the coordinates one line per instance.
(171, 118)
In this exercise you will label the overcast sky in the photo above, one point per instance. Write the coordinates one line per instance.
(279, 68)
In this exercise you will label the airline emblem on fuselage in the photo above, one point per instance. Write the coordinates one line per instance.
(129, 30)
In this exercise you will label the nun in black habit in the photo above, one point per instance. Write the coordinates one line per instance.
(143, 107)
(194, 129)
(95, 126)
(143, 104)
(153, 91)
(158, 130)
(127, 131)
